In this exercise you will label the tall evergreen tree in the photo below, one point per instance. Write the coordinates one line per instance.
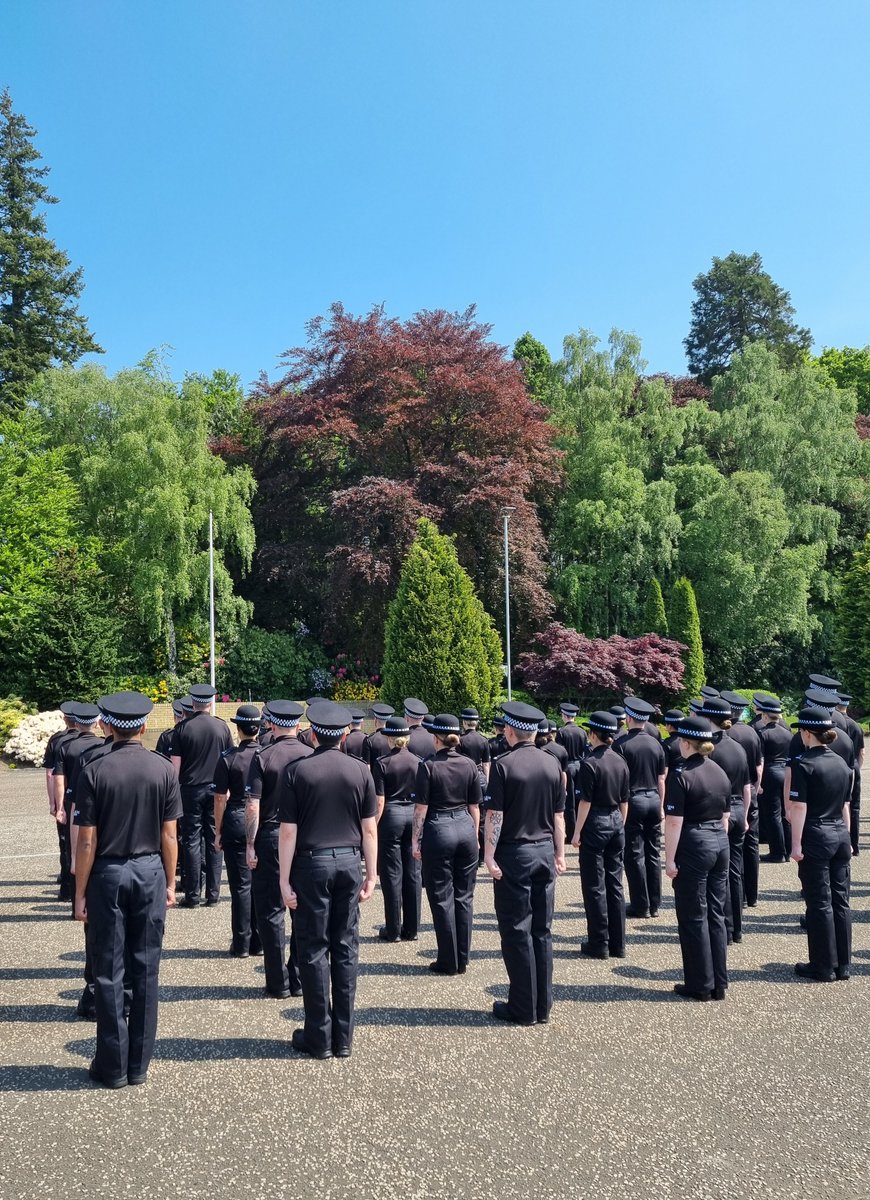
(40, 324)
(441, 644)
(685, 626)
(852, 626)
(655, 619)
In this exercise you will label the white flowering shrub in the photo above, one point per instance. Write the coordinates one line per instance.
(29, 738)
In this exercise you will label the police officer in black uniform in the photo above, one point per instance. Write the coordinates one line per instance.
(671, 744)
(127, 808)
(603, 789)
(747, 737)
(306, 736)
(197, 744)
(572, 737)
(856, 733)
(52, 747)
(355, 740)
(67, 755)
(421, 741)
(697, 810)
(498, 742)
(647, 767)
(264, 737)
(730, 756)
(821, 785)
(376, 745)
(841, 744)
(446, 816)
(395, 780)
(230, 781)
(164, 741)
(525, 850)
(474, 745)
(262, 796)
(775, 749)
(545, 739)
(328, 814)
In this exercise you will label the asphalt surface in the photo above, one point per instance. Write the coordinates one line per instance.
(628, 1093)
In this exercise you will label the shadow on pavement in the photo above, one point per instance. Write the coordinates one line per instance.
(44, 1078)
(36, 1014)
(184, 1049)
(13, 973)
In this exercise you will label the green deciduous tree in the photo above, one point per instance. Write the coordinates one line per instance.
(440, 644)
(852, 637)
(736, 302)
(40, 324)
(655, 619)
(850, 368)
(685, 626)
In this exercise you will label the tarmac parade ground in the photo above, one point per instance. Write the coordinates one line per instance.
(629, 1092)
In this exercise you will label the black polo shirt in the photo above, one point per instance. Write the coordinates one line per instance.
(603, 779)
(653, 730)
(731, 757)
(164, 742)
(698, 790)
(234, 768)
(354, 743)
(395, 776)
(498, 745)
(751, 743)
(645, 758)
(375, 746)
(671, 747)
(557, 751)
(842, 747)
(68, 754)
(447, 780)
(327, 795)
(53, 747)
(573, 738)
(526, 786)
(821, 780)
(127, 794)
(421, 743)
(268, 769)
(265, 737)
(76, 754)
(199, 742)
(856, 733)
(475, 746)
(776, 743)
(306, 737)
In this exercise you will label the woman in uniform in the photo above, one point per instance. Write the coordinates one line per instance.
(821, 785)
(395, 778)
(775, 748)
(602, 804)
(697, 810)
(446, 820)
(731, 757)
(231, 776)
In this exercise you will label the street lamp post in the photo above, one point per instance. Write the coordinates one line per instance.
(211, 595)
(506, 514)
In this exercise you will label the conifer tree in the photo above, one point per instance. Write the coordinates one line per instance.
(655, 619)
(441, 645)
(40, 325)
(685, 626)
(852, 626)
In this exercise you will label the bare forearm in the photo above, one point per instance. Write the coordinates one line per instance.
(798, 819)
(370, 850)
(252, 820)
(673, 829)
(492, 831)
(583, 810)
(559, 834)
(382, 800)
(220, 807)
(286, 851)
(86, 852)
(169, 850)
(474, 810)
(420, 811)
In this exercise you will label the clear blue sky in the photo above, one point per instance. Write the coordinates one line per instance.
(228, 168)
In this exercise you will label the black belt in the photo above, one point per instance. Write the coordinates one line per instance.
(827, 821)
(235, 800)
(529, 841)
(704, 824)
(645, 791)
(446, 812)
(398, 803)
(334, 852)
(273, 824)
(604, 807)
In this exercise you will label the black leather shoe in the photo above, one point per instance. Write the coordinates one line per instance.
(341, 1051)
(387, 937)
(85, 1012)
(284, 994)
(212, 903)
(808, 971)
(681, 990)
(192, 902)
(408, 937)
(772, 858)
(620, 953)
(737, 938)
(256, 952)
(301, 1046)
(752, 904)
(502, 1012)
(296, 992)
(95, 1077)
(135, 1080)
(592, 952)
(636, 914)
(718, 993)
(437, 969)
(653, 912)
(239, 953)
(842, 974)
(802, 922)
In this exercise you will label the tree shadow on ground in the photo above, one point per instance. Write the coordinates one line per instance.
(43, 1078)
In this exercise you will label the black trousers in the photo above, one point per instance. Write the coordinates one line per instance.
(750, 853)
(770, 802)
(198, 824)
(67, 882)
(643, 850)
(855, 810)
(573, 770)
(327, 932)
(268, 909)
(126, 901)
(242, 911)
(524, 898)
(699, 896)
(602, 846)
(399, 871)
(825, 872)
(734, 894)
(449, 855)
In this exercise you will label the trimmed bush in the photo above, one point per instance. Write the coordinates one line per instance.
(655, 619)
(685, 625)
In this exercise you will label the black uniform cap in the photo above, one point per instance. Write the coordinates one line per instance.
(695, 729)
(768, 704)
(736, 701)
(570, 710)
(186, 702)
(84, 714)
(470, 714)
(178, 707)
(813, 717)
(544, 726)
(316, 699)
(328, 718)
(552, 726)
(498, 722)
(844, 698)
(246, 714)
(825, 682)
(283, 713)
(396, 727)
(67, 707)
(821, 697)
(673, 716)
(125, 710)
(202, 693)
(524, 717)
(415, 708)
(603, 722)
(382, 711)
(708, 693)
(356, 715)
(443, 723)
(637, 709)
(618, 711)
(715, 707)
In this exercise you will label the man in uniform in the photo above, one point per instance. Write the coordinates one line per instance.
(328, 814)
(420, 742)
(51, 751)
(748, 738)
(306, 736)
(127, 809)
(355, 740)
(573, 738)
(474, 745)
(262, 794)
(647, 768)
(376, 745)
(671, 744)
(197, 745)
(525, 851)
(164, 741)
(856, 733)
(65, 764)
(498, 742)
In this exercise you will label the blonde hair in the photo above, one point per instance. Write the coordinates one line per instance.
(700, 746)
(398, 742)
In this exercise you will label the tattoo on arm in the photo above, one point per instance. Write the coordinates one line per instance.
(252, 820)
(419, 821)
(493, 829)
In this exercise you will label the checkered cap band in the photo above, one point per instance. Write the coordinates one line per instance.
(693, 735)
(636, 716)
(281, 722)
(600, 725)
(516, 723)
(328, 730)
(88, 720)
(815, 724)
(123, 723)
(433, 728)
(187, 707)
